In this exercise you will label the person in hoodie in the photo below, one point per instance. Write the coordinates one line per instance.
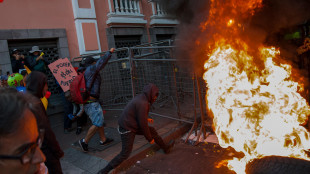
(36, 84)
(134, 120)
(92, 107)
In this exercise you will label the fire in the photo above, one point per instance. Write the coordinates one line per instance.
(257, 111)
(230, 22)
(259, 116)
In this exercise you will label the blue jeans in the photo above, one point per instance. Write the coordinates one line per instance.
(94, 112)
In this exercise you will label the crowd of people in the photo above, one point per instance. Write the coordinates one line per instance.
(27, 142)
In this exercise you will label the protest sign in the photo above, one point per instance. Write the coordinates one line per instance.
(64, 72)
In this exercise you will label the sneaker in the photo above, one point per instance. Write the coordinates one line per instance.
(83, 145)
(78, 131)
(169, 147)
(107, 141)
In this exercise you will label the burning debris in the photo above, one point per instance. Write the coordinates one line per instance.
(255, 102)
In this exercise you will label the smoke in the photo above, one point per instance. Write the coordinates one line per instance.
(190, 14)
(272, 18)
(275, 16)
(278, 14)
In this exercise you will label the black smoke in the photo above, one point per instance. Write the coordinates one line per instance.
(274, 17)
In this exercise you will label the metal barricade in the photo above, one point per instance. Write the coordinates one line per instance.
(124, 78)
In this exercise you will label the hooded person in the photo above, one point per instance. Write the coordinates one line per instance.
(134, 120)
(36, 84)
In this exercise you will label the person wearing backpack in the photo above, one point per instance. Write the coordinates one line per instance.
(92, 107)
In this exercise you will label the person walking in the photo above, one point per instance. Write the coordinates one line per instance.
(92, 107)
(134, 120)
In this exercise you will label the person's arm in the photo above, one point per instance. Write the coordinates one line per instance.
(104, 60)
(142, 121)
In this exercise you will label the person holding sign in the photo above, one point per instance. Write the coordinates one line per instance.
(36, 61)
(92, 107)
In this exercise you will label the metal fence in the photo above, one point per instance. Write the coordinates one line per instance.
(123, 78)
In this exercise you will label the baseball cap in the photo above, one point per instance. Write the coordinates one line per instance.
(15, 50)
(89, 60)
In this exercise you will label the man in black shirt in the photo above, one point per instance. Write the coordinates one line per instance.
(18, 61)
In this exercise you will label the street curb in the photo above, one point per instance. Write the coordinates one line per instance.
(144, 150)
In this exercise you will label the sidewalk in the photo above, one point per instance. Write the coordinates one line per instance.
(77, 162)
(184, 159)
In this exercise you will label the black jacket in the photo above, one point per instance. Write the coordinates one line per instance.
(135, 115)
(34, 85)
(17, 65)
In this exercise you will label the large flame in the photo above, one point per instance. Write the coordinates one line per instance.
(257, 111)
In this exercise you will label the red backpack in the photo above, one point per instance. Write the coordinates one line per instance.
(78, 92)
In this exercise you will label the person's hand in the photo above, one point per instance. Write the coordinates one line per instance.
(38, 58)
(112, 50)
(152, 142)
(150, 120)
(22, 56)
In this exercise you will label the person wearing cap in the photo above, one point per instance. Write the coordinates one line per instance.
(92, 107)
(18, 61)
(36, 61)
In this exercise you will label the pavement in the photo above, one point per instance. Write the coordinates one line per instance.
(75, 161)
(185, 158)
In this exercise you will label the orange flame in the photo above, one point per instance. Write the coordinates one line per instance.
(230, 22)
(256, 111)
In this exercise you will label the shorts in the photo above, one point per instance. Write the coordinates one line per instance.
(94, 112)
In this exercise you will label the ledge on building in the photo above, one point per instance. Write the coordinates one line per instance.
(126, 19)
(163, 20)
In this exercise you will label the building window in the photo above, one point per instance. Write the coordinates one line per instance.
(126, 41)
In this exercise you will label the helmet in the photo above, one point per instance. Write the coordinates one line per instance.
(15, 79)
